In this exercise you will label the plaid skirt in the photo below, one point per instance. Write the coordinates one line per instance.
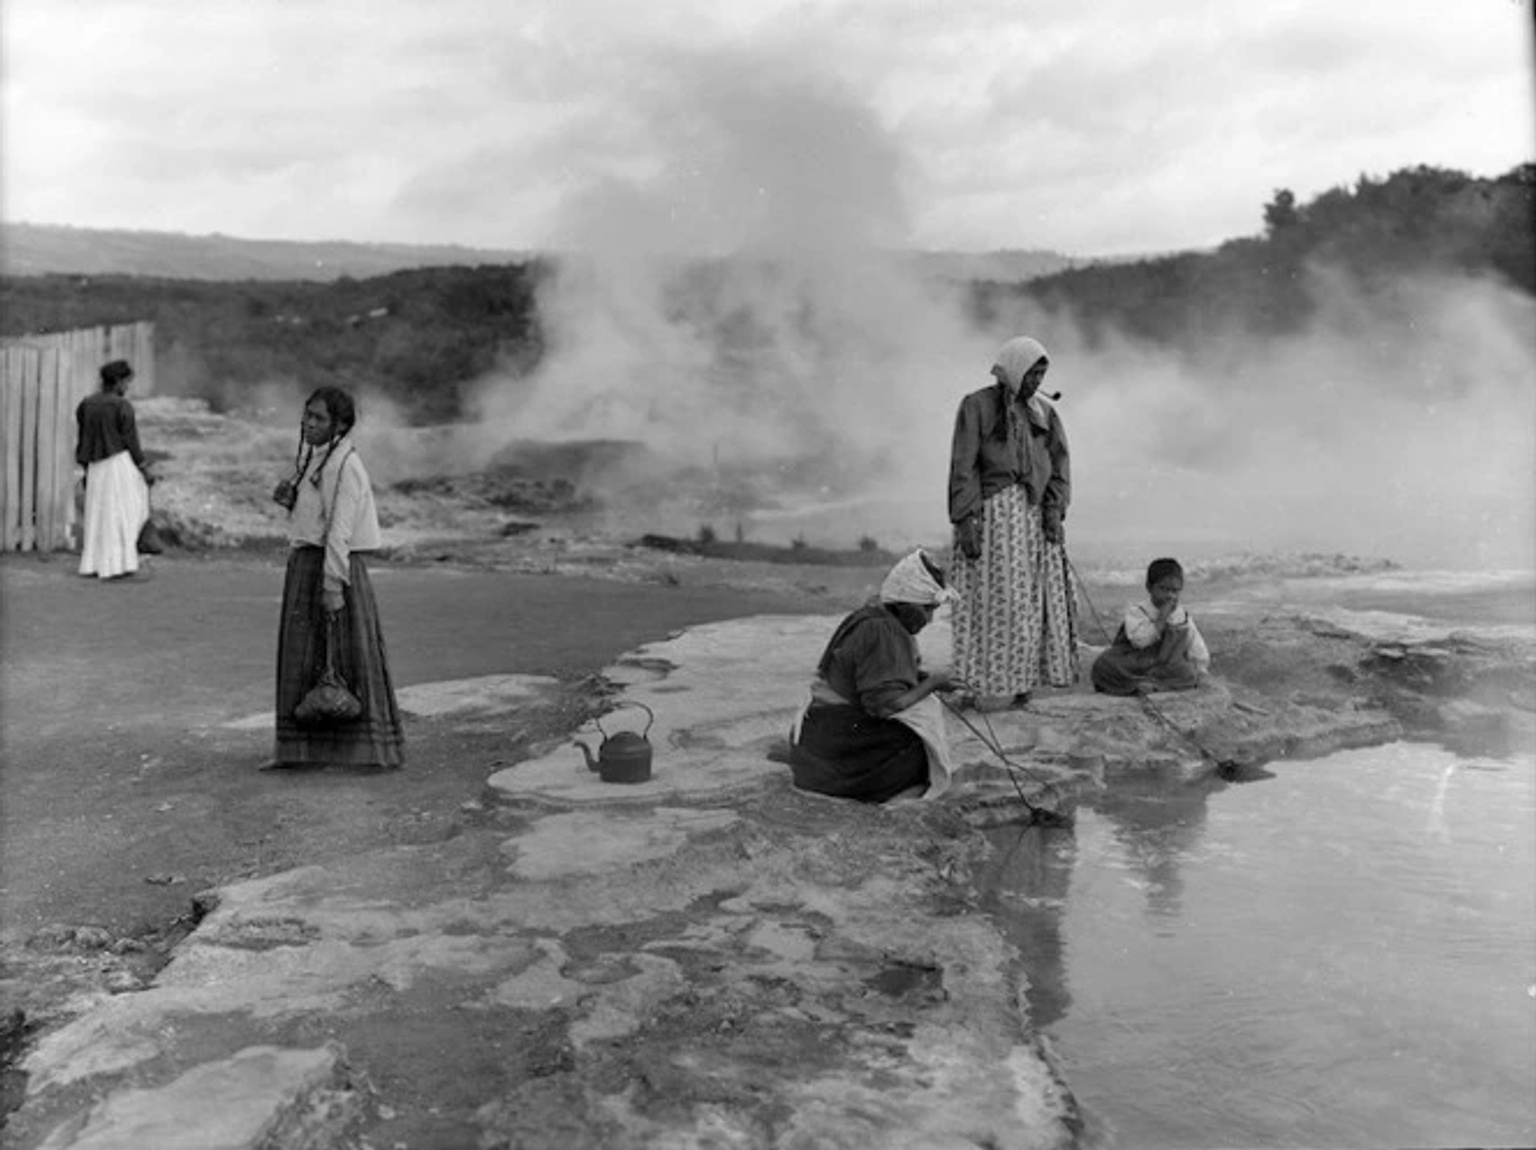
(374, 738)
(1015, 625)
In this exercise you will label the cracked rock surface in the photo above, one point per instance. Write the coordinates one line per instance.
(707, 958)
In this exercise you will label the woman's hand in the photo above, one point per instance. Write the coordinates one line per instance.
(939, 681)
(968, 536)
(1051, 524)
(333, 600)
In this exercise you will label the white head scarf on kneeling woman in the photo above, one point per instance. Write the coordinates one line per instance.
(910, 581)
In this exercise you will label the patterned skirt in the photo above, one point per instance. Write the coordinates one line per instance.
(1015, 625)
(375, 738)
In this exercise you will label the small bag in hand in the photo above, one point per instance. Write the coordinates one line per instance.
(149, 542)
(330, 700)
(149, 539)
(968, 536)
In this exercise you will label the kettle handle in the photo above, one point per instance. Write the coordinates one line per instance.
(628, 703)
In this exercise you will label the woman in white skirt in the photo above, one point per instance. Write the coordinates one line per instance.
(1015, 624)
(116, 478)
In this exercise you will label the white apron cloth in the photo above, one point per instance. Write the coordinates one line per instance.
(926, 717)
(116, 509)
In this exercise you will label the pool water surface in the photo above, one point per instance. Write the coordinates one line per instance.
(1343, 954)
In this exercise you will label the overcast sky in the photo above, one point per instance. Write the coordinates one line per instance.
(1089, 128)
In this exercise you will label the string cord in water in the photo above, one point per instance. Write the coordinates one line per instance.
(1223, 765)
(994, 744)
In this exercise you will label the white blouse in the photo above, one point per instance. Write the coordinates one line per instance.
(338, 513)
(1143, 630)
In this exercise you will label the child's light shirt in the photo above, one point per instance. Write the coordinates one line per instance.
(1141, 628)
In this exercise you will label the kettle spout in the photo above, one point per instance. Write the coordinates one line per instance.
(586, 750)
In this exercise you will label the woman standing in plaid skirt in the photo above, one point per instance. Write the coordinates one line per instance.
(1015, 625)
(327, 595)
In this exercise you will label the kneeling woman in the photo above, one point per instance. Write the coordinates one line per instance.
(871, 729)
(327, 596)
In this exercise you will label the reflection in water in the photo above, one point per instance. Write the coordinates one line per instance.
(1024, 888)
(1027, 881)
(1157, 826)
(1344, 954)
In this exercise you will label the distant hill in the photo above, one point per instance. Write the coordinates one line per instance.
(1415, 221)
(51, 249)
(1007, 266)
(232, 315)
(43, 249)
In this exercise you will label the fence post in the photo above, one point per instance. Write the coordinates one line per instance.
(27, 532)
(64, 462)
(47, 446)
(63, 455)
(10, 443)
(146, 352)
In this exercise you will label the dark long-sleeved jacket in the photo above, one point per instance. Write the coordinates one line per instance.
(106, 426)
(981, 464)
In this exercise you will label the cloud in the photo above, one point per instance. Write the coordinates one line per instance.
(1012, 125)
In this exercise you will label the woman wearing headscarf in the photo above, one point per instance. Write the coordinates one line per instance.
(872, 729)
(1015, 624)
(328, 597)
(116, 477)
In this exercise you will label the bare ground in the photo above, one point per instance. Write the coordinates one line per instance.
(124, 797)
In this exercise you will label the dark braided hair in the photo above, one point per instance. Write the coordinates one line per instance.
(343, 412)
(302, 454)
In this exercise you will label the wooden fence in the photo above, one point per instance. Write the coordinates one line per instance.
(42, 379)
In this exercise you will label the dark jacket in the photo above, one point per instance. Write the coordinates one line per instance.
(870, 659)
(981, 463)
(107, 426)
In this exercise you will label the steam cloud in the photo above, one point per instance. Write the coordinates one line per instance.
(1401, 428)
(737, 300)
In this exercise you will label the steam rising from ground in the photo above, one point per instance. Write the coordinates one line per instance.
(736, 305)
(732, 302)
(1401, 427)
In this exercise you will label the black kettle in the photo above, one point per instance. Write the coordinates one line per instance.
(624, 757)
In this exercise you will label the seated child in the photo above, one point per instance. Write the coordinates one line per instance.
(1158, 647)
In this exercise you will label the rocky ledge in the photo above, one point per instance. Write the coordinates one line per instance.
(709, 957)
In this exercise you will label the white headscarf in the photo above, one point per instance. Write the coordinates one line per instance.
(1016, 357)
(910, 582)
